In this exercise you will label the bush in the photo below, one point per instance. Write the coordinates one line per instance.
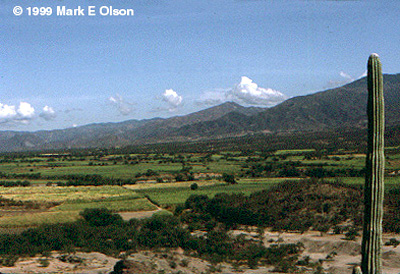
(229, 178)
(44, 262)
(194, 186)
(393, 241)
(9, 260)
(162, 231)
(101, 217)
(351, 234)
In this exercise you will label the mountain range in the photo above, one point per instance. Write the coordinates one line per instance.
(343, 107)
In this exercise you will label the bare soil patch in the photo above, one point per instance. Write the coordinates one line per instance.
(138, 214)
(79, 262)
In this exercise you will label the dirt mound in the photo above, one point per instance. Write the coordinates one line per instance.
(339, 247)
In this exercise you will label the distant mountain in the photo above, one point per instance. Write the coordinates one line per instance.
(339, 107)
(114, 134)
(335, 108)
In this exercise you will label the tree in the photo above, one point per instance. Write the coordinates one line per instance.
(229, 178)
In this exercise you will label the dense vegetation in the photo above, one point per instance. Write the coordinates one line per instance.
(102, 231)
(290, 206)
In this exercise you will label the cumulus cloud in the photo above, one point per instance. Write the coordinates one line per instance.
(48, 113)
(172, 99)
(245, 92)
(7, 112)
(248, 92)
(23, 114)
(125, 108)
(25, 110)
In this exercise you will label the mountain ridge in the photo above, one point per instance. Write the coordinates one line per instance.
(344, 106)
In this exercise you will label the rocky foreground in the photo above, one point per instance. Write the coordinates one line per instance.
(337, 256)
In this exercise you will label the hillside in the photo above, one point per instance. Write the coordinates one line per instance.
(343, 107)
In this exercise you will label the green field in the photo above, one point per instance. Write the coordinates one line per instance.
(253, 171)
(135, 166)
(390, 182)
(72, 200)
(178, 193)
(62, 194)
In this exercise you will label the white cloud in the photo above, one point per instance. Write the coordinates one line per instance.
(246, 92)
(23, 114)
(10, 114)
(172, 99)
(25, 110)
(123, 107)
(7, 112)
(48, 113)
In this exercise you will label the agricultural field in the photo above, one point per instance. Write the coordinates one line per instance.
(59, 186)
(178, 193)
(63, 204)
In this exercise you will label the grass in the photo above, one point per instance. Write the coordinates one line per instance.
(131, 198)
(61, 194)
(34, 219)
(178, 193)
(149, 186)
(73, 200)
(293, 151)
(390, 182)
(34, 182)
(135, 204)
(121, 171)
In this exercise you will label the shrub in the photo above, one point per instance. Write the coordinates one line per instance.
(9, 260)
(194, 186)
(351, 234)
(101, 217)
(44, 262)
(393, 241)
(229, 178)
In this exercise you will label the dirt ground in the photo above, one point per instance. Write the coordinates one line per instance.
(344, 255)
(138, 214)
(90, 263)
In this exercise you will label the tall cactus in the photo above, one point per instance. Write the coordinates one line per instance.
(374, 181)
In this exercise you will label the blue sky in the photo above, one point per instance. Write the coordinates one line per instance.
(175, 57)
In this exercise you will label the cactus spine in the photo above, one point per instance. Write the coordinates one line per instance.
(374, 180)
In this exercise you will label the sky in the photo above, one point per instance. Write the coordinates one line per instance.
(174, 57)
